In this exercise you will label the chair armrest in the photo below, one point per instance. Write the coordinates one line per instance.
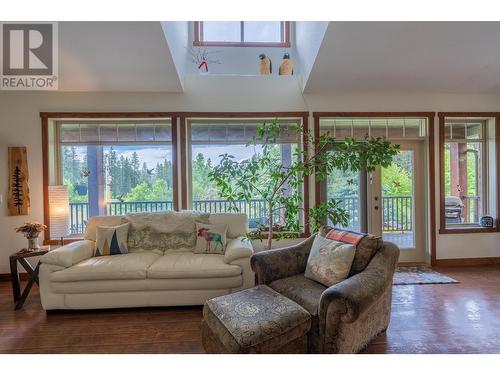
(351, 297)
(72, 253)
(277, 264)
(238, 248)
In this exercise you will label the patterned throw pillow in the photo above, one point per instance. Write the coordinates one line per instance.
(111, 240)
(329, 261)
(367, 245)
(210, 239)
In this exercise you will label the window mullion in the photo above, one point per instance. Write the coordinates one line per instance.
(242, 31)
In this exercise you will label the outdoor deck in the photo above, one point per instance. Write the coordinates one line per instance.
(403, 240)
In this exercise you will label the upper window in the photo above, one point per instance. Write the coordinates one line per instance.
(468, 174)
(242, 33)
(390, 128)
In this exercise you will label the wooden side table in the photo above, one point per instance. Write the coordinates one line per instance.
(20, 257)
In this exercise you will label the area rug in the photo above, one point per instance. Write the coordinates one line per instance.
(417, 275)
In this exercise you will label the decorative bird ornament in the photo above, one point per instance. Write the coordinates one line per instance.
(150, 171)
(265, 65)
(286, 67)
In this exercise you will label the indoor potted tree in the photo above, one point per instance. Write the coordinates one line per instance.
(263, 175)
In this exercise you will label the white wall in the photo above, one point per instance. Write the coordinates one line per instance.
(177, 37)
(20, 125)
(308, 37)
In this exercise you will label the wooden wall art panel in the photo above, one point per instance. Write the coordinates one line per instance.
(18, 200)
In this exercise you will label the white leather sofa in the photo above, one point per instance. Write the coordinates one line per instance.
(71, 278)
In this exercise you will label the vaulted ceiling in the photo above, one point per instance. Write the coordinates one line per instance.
(115, 56)
(373, 57)
(334, 57)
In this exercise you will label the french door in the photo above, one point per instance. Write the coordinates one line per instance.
(389, 202)
(396, 202)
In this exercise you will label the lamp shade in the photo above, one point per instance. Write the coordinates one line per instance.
(58, 211)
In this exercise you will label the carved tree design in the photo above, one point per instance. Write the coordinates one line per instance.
(17, 189)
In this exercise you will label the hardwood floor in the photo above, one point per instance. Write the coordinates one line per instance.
(451, 318)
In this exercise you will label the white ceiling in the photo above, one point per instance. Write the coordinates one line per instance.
(115, 56)
(371, 57)
(354, 57)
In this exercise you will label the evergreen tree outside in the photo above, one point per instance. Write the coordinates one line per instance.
(129, 178)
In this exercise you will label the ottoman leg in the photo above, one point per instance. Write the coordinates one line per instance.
(211, 343)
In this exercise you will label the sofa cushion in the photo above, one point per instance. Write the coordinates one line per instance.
(109, 286)
(329, 261)
(164, 231)
(237, 223)
(111, 240)
(190, 265)
(210, 239)
(366, 249)
(119, 267)
(301, 290)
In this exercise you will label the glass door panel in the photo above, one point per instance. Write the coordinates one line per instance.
(345, 188)
(398, 200)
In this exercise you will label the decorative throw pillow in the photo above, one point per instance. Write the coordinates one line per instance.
(329, 261)
(367, 245)
(111, 240)
(210, 239)
(162, 232)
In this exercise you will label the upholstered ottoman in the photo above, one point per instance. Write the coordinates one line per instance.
(256, 320)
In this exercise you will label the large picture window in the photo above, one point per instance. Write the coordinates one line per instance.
(242, 33)
(211, 138)
(113, 167)
(468, 171)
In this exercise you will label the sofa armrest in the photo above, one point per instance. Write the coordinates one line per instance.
(238, 248)
(351, 297)
(67, 255)
(277, 264)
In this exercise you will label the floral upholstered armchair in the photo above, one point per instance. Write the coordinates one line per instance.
(347, 315)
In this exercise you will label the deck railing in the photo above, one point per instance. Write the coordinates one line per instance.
(396, 211)
(256, 210)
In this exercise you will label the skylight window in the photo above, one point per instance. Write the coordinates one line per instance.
(242, 33)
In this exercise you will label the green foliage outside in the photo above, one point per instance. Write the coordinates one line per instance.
(130, 181)
(203, 187)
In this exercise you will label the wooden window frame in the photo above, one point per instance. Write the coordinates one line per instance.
(442, 220)
(185, 142)
(431, 160)
(198, 40)
(46, 116)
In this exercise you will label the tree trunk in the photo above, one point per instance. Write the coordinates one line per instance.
(270, 231)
